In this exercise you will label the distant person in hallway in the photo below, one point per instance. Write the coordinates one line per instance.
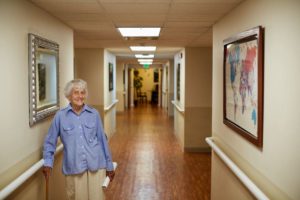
(86, 152)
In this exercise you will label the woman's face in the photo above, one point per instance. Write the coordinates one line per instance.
(77, 97)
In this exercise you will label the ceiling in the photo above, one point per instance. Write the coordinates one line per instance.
(184, 23)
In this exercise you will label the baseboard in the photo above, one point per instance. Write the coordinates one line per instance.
(197, 149)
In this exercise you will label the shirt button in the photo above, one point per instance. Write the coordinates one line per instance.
(79, 127)
(91, 140)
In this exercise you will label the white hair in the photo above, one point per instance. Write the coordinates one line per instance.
(79, 83)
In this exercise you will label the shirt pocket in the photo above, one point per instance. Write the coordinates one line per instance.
(90, 133)
(68, 129)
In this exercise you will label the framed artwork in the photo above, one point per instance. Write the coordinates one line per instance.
(43, 78)
(124, 76)
(42, 81)
(110, 76)
(243, 84)
(178, 82)
(155, 76)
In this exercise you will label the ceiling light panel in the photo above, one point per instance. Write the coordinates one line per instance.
(139, 32)
(145, 63)
(144, 55)
(145, 60)
(143, 48)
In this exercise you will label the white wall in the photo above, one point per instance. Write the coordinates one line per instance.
(92, 66)
(131, 89)
(109, 96)
(170, 66)
(275, 167)
(120, 89)
(179, 58)
(165, 88)
(198, 90)
(22, 143)
(88, 66)
(126, 87)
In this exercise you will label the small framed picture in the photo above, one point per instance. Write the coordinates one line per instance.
(110, 76)
(178, 82)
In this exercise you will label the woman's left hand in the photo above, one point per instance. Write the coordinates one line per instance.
(110, 174)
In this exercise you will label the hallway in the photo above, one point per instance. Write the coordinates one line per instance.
(151, 165)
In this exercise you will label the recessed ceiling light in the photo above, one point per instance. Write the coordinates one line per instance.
(144, 55)
(143, 48)
(150, 63)
(139, 32)
(145, 60)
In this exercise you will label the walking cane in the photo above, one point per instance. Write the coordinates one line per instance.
(46, 172)
(47, 187)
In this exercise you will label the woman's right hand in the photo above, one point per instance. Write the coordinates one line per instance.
(47, 172)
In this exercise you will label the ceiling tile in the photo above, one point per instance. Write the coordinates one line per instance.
(81, 16)
(136, 8)
(207, 1)
(99, 35)
(120, 50)
(203, 8)
(211, 18)
(138, 23)
(71, 7)
(85, 43)
(141, 42)
(64, 1)
(205, 39)
(91, 26)
(135, 1)
(187, 30)
(184, 22)
(138, 19)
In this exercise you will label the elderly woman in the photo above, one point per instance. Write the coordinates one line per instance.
(86, 152)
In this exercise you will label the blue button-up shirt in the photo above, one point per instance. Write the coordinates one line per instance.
(85, 144)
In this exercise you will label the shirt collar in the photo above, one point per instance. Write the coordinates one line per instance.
(85, 107)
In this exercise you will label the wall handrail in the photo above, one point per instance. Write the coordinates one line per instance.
(237, 171)
(24, 176)
(107, 108)
(177, 107)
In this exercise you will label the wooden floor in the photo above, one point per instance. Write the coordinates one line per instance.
(151, 165)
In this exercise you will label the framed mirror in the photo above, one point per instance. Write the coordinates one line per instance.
(43, 78)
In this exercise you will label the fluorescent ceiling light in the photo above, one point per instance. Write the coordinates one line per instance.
(146, 63)
(145, 60)
(139, 32)
(143, 48)
(144, 55)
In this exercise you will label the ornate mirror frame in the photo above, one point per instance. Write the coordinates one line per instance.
(43, 69)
